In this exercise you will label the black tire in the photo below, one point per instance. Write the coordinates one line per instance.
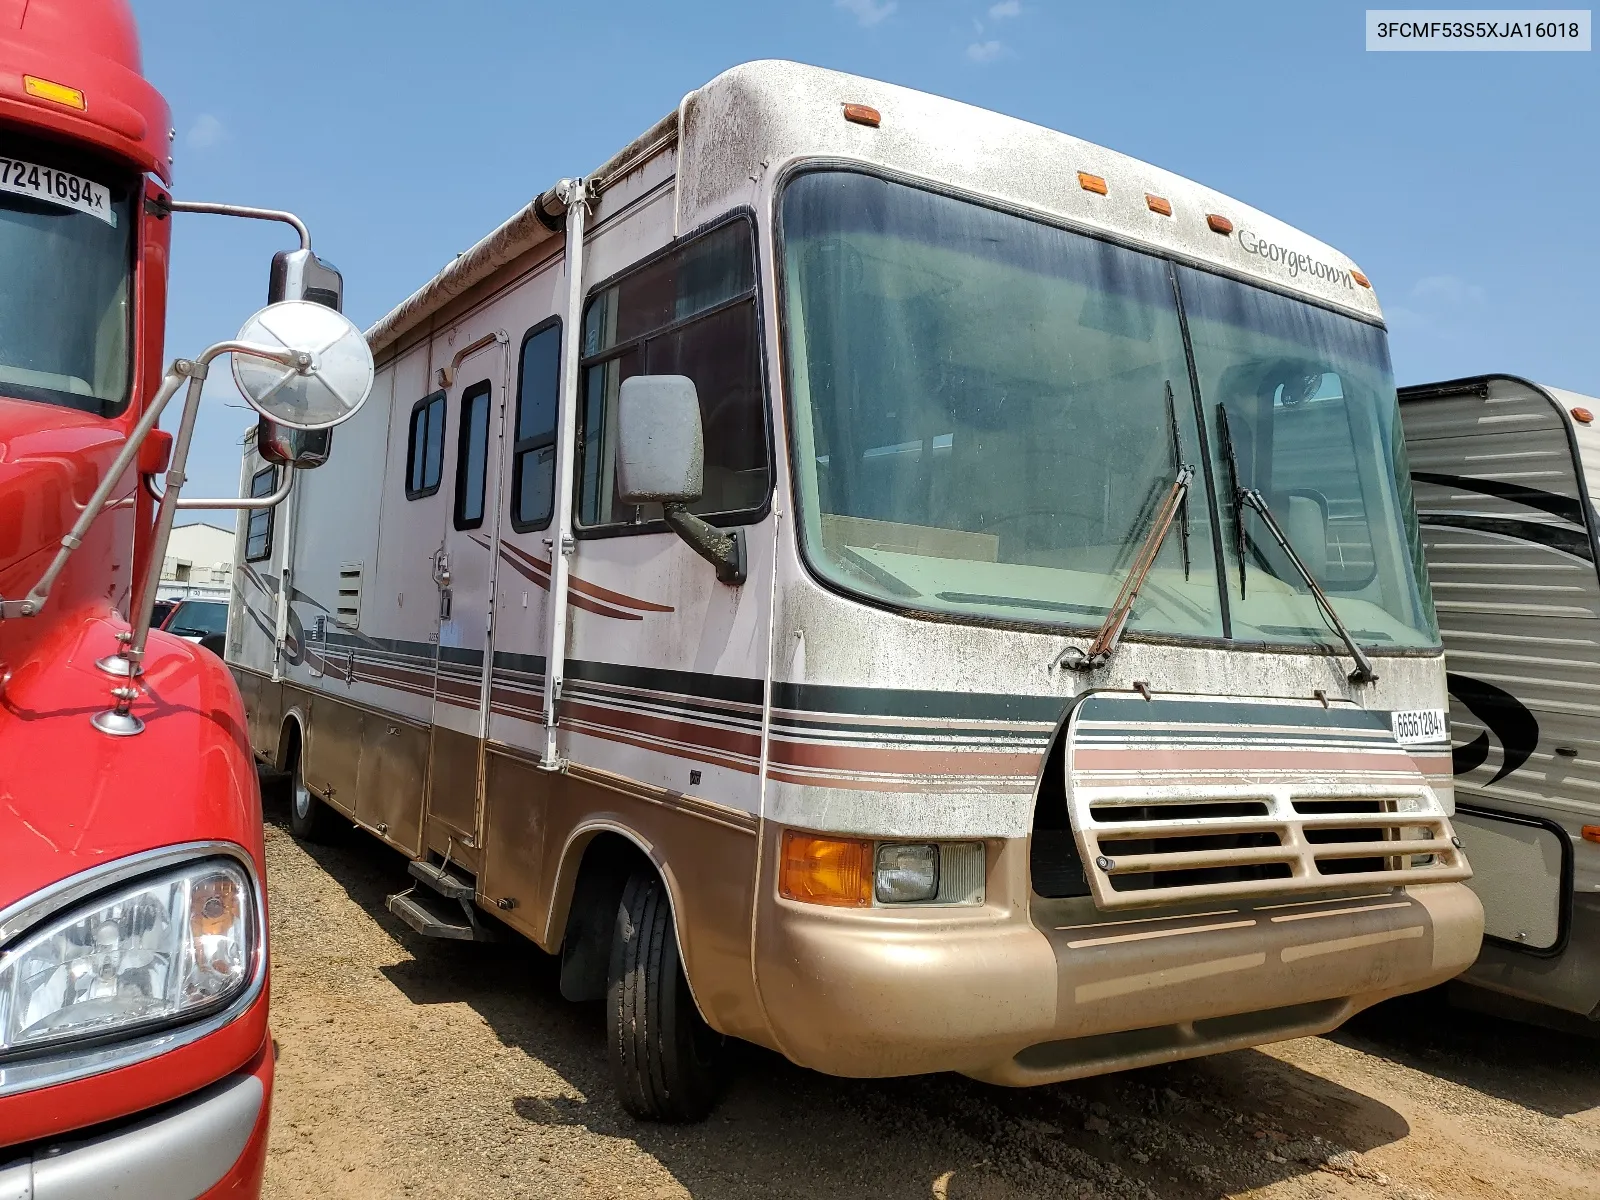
(666, 1062)
(310, 820)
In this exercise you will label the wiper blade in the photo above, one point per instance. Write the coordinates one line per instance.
(1226, 436)
(1105, 642)
(1363, 672)
(1177, 467)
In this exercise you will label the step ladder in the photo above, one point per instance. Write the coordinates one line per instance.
(440, 904)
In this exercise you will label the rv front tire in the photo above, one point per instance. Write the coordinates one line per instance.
(665, 1059)
(309, 818)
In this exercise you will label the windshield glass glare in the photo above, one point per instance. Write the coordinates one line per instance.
(1315, 427)
(982, 413)
(66, 238)
(196, 618)
(981, 425)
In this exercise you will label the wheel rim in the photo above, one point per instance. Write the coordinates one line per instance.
(302, 797)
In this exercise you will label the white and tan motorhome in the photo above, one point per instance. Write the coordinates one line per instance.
(1504, 472)
(889, 582)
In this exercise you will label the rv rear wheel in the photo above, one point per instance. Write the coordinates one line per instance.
(310, 819)
(665, 1059)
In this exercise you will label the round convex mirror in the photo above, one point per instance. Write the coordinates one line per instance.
(327, 392)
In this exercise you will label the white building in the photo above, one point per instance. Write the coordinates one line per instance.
(199, 562)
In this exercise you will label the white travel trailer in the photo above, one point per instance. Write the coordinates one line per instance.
(1503, 471)
(827, 575)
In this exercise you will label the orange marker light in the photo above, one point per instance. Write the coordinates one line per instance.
(1582, 416)
(1361, 279)
(60, 93)
(863, 114)
(1591, 833)
(1158, 204)
(823, 870)
(1091, 183)
(1219, 224)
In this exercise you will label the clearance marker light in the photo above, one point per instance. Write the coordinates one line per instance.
(1158, 204)
(1591, 833)
(1091, 183)
(1361, 279)
(824, 870)
(60, 93)
(1583, 417)
(1219, 224)
(863, 114)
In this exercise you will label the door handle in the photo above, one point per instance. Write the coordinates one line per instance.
(444, 603)
(441, 569)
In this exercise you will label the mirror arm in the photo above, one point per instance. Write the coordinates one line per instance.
(238, 503)
(722, 548)
(244, 210)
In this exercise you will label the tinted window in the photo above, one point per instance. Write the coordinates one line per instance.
(472, 455)
(258, 532)
(533, 462)
(197, 618)
(425, 447)
(691, 312)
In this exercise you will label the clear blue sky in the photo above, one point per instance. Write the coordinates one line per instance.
(1466, 185)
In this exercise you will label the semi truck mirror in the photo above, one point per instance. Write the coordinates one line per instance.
(301, 275)
(301, 449)
(330, 375)
(660, 449)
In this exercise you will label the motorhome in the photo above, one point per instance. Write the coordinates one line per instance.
(889, 582)
(1502, 470)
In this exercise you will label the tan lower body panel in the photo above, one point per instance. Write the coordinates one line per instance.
(451, 824)
(1023, 991)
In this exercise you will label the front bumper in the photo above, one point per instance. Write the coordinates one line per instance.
(1035, 991)
(208, 1144)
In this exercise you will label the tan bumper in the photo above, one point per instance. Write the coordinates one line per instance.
(1020, 997)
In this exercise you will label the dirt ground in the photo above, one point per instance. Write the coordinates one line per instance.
(416, 1068)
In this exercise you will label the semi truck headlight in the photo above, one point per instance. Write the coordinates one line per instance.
(907, 873)
(153, 952)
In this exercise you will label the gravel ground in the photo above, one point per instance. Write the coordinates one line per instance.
(416, 1068)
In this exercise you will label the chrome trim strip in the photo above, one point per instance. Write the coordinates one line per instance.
(67, 1065)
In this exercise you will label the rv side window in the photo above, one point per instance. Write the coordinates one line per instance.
(472, 455)
(258, 530)
(425, 447)
(533, 457)
(689, 312)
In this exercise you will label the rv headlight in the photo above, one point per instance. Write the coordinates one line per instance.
(160, 950)
(907, 873)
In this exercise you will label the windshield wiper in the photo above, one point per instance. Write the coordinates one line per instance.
(1252, 497)
(1105, 642)
(1177, 469)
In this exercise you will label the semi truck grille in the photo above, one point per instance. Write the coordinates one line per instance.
(1139, 850)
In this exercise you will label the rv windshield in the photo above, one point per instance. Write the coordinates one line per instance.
(66, 257)
(982, 426)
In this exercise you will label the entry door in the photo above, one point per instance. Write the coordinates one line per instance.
(464, 573)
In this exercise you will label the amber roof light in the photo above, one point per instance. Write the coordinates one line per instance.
(1582, 416)
(1091, 183)
(1158, 204)
(1361, 279)
(1219, 224)
(863, 114)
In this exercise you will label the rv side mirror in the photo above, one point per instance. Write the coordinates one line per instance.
(301, 449)
(301, 275)
(661, 459)
(660, 451)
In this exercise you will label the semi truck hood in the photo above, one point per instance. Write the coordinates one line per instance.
(72, 797)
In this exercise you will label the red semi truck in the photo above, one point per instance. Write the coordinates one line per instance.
(135, 1057)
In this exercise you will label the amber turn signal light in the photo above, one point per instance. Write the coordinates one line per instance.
(1219, 224)
(1158, 204)
(57, 93)
(1582, 416)
(1591, 833)
(1361, 279)
(1091, 183)
(863, 114)
(824, 870)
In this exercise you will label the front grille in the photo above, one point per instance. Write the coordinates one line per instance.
(1142, 849)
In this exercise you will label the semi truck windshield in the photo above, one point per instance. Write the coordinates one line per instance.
(66, 256)
(982, 427)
